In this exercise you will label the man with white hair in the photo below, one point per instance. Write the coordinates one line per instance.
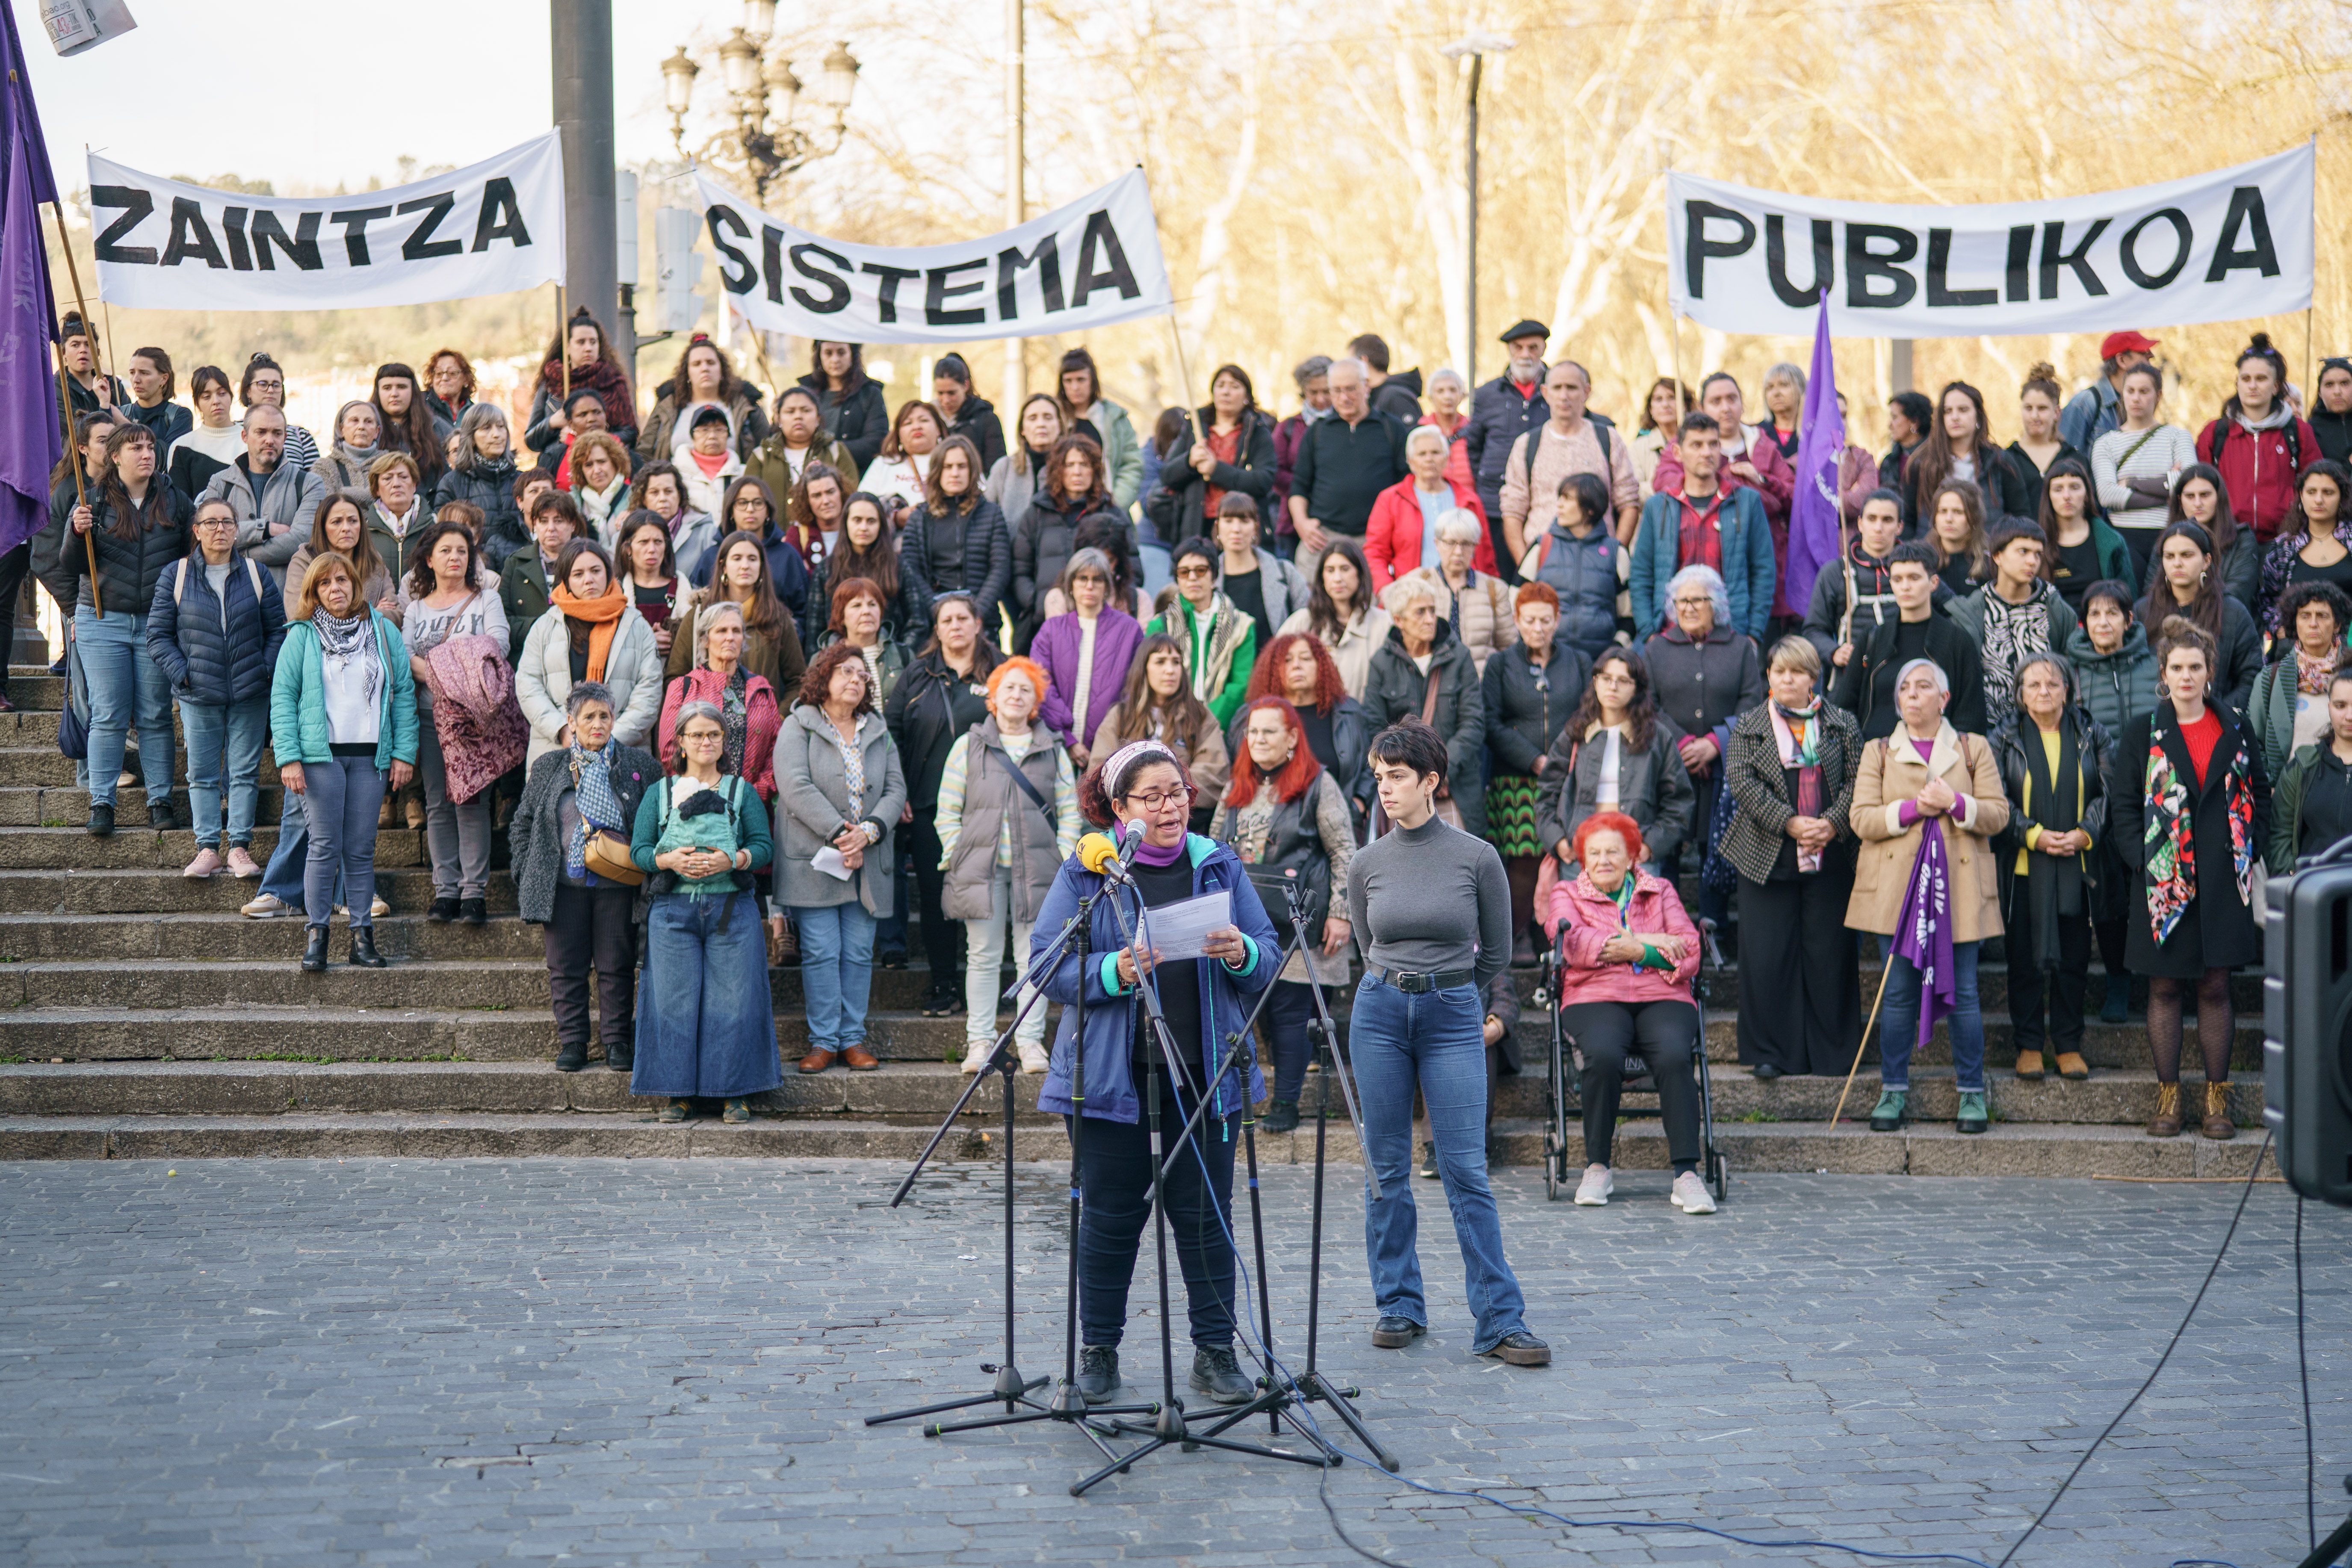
(1344, 463)
(1569, 442)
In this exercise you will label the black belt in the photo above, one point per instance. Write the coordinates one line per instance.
(1414, 985)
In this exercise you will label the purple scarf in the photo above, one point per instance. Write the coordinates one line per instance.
(1150, 854)
(1922, 933)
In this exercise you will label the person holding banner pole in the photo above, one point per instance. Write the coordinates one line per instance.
(1927, 802)
(582, 357)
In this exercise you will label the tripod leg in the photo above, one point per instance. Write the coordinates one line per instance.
(1258, 1231)
(1315, 1232)
(1171, 1426)
(1010, 1384)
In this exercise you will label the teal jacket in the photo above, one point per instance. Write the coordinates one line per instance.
(298, 702)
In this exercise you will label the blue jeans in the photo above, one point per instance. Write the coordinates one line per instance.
(231, 734)
(706, 1021)
(836, 973)
(126, 687)
(346, 795)
(1898, 1024)
(1435, 1039)
(282, 877)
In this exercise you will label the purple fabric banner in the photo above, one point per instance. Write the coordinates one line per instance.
(29, 438)
(1922, 933)
(1814, 530)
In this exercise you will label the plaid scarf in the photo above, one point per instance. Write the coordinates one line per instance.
(599, 804)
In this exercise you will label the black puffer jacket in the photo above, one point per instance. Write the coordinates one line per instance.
(207, 656)
(972, 552)
(976, 421)
(1394, 688)
(1179, 502)
(929, 708)
(1499, 415)
(489, 486)
(858, 420)
(127, 568)
(1524, 716)
(1042, 543)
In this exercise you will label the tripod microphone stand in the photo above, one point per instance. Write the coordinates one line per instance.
(1170, 1426)
(1010, 1387)
(1285, 1393)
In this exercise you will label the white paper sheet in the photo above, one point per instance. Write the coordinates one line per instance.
(1180, 931)
(828, 860)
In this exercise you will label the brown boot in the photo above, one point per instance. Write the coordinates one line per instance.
(818, 1061)
(2029, 1065)
(2218, 1124)
(2071, 1065)
(860, 1059)
(2166, 1123)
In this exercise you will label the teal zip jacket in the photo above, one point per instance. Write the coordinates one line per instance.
(298, 702)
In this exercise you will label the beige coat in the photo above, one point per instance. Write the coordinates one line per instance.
(1893, 773)
(1204, 754)
(1353, 652)
(1485, 623)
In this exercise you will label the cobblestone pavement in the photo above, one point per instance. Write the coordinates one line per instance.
(654, 1362)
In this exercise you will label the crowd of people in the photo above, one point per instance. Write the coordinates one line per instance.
(747, 680)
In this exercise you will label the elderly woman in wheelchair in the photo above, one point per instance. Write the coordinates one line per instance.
(1629, 951)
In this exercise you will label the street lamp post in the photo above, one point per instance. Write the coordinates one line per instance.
(1476, 46)
(768, 98)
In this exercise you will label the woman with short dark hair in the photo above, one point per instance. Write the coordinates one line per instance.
(2288, 707)
(939, 699)
(214, 442)
(592, 786)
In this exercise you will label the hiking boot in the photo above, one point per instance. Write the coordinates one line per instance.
(1098, 1373)
(2218, 1124)
(1394, 1333)
(205, 866)
(1593, 1192)
(572, 1057)
(1975, 1114)
(1887, 1115)
(2166, 1123)
(241, 863)
(736, 1111)
(101, 821)
(1281, 1116)
(2071, 1066)
(1522, 1349)
(1217, 1374)
(2029, 1065)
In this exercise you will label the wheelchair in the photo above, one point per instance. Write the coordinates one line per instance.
(1563, 1132)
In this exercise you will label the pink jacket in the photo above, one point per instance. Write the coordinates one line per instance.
(475, 719)
(761, 722)
(1592, 916)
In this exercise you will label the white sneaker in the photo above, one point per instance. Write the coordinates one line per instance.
(1690, 1195)
(377, 908)
(1594, 1190)
(1033, 1058)
(268, 907)
(976, 1054)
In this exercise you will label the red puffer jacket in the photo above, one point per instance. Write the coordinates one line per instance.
(2261, 468)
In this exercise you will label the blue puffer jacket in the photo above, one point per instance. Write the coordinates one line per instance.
(1584, 573)
(1111, 1013)
(205, 661)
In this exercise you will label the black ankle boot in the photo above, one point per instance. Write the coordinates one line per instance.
(572, 1057)
(474, 911)
(363, 953)
(621, 1058)
(314, 951)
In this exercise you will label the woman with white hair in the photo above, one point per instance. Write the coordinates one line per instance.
(1402, 535)
(1784, 404)
(1423, 671)
(1926, 783)
(482, 474)
(1704, 675)
(1477, 604)
(1449, 414)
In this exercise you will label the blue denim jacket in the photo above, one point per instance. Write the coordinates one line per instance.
(1225, 993)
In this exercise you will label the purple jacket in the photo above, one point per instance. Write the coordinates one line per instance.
(1117, 637)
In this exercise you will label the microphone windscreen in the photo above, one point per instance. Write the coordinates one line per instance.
(1096, 852)
(1130, 835)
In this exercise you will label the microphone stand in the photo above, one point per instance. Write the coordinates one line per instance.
(1170, 1425)
(1284, 1393)
(1010, 1387)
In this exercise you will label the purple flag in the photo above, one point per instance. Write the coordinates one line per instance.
(1814, 533)
(1922, 933)
(29, 438)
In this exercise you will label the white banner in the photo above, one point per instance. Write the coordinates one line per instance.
(2217, 246)
(491, 228)
(1089, 264)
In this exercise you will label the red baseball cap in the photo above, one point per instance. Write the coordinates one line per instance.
(2115, 344)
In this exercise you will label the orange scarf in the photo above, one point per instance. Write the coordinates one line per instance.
(604, 617)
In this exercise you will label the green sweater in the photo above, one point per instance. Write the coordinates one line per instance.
(751, 824)
(298, 700)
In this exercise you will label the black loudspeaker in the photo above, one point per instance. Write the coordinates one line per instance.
(2307, 1029)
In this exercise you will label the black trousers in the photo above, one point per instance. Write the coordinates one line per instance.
(1663, 1032)
(1115, 1183)
(593, 928)
(12, 567)
(2028, 986)
(1799, 985)
(942, 938)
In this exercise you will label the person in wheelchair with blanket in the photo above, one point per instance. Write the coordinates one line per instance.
(1629, 954)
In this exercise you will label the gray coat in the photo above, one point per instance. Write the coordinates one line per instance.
(1653, 788)
(811, 803)
(270, 530)
(1284, 587)
(535, 836)
(991, 799)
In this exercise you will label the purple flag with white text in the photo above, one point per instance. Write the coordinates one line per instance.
(1923, 933)
(29, 438)
(1814, 533)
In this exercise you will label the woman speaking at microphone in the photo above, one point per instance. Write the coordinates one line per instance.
(1143, 787)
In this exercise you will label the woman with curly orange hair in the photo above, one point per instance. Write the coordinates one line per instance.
(1299, 667)
(1287, 818)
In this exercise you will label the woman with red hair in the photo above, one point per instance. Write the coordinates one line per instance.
(1298, 668)
(1626, 989)
(1287, 818)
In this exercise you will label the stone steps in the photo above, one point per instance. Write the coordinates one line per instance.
(160, 890)
(211, 938)
(136, 848)
(2006, 1150)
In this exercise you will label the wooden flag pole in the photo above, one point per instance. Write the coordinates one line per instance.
(1885, 973)
(73, 458)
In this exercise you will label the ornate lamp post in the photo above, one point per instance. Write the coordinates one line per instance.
(780, 124)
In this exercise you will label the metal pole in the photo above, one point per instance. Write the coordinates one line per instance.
(1470, 286)
(1017, 203)
(581, 34)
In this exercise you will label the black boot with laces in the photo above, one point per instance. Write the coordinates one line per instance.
(1098, 1373)
(1218, 1374)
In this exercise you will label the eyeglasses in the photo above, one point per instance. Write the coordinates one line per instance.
(215, 523)
(1196, 570)
(1158, 799)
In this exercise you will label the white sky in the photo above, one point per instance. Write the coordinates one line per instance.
(317, 91)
